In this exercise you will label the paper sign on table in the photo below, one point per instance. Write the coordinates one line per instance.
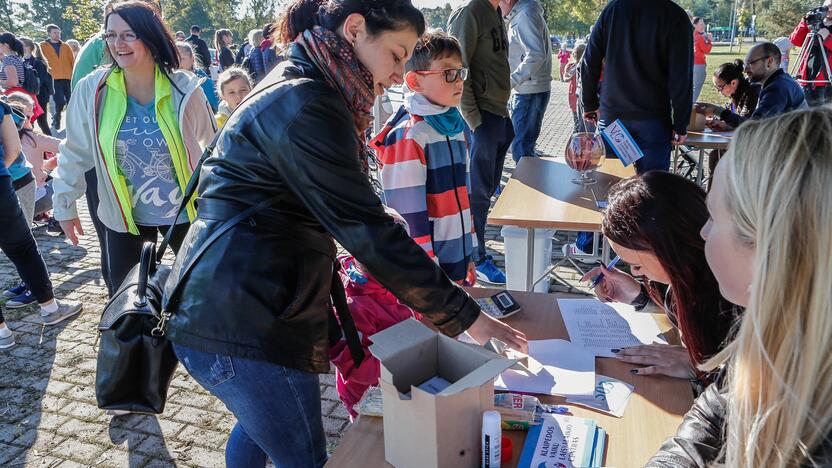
(599, 327)
(622, 143)
(567, 370)
(611, 396)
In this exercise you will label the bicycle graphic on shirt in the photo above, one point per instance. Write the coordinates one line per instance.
(149, 174)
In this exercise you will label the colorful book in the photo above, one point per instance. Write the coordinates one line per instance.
(564, 442)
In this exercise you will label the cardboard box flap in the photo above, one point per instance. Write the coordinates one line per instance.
(393, 340)
(480, 376)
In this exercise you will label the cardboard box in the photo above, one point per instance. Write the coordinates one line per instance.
(422, 429)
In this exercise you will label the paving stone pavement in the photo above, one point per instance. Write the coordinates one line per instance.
(48, 414)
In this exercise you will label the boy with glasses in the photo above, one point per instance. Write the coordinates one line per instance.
(424, 157)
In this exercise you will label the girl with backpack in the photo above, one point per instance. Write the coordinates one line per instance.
(13, 70)
(33, 58)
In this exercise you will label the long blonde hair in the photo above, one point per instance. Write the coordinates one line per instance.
(779, 379)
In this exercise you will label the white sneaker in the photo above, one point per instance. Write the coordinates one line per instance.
(572, 251)
(7, 342)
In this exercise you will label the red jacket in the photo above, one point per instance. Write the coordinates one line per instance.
(701, 47)
(797, 38)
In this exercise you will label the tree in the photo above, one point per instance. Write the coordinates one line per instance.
(86, 17)
(438, 17)
(44, 12)
(779, 17)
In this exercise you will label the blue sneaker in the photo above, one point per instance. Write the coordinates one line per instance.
(21, 300)
(15, 291)
(487, 272)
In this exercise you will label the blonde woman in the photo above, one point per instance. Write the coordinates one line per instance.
(768, 242)
(222, 43)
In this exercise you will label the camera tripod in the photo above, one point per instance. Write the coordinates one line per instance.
(813, 39)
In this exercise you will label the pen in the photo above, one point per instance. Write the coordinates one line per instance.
(598, 278)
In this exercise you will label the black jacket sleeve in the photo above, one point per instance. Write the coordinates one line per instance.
(732, 119)
(699, 438)
(204, 54)
(592, 64)
(318, 160)
(680, 48)
(226, 58)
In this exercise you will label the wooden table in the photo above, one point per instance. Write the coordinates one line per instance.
(705, 140)
(652, 415)
(540, 194)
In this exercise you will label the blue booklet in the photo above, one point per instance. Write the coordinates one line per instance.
(563, 442)
(620, 140)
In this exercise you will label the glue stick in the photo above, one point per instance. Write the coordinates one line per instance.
(491, 434)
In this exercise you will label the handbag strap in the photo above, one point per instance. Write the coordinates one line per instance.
(339, 301)
(190, 188)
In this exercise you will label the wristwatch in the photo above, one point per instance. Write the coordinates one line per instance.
(642, 299)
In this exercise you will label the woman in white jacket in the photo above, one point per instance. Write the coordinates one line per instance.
(142, 126)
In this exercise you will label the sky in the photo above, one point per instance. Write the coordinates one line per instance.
(436, 3)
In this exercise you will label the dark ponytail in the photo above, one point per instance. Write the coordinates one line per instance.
(728, 72)
(380, 16)
(9, 39)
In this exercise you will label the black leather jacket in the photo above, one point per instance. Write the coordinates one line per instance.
(261, 291)
(699, 439)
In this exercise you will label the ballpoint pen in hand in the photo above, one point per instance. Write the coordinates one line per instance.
(600, 276)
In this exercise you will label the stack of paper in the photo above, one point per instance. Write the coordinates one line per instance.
(564, 369)
(564, 442)
(599, 327)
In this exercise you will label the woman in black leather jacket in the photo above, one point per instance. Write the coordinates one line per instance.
(251, 316)
(768, 245)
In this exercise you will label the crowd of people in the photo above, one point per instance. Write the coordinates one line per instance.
(739, 270)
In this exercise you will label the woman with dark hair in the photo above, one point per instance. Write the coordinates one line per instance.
(142, 125)
(251, 319)
(730, 80)
(222, 43)
(12, 69)
(653, 223)
(32, 56)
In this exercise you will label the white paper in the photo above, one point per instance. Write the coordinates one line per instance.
(600, 327)
(611, 396)
(622, 143)
(567, 370)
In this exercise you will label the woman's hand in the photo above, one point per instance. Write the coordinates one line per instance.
(487, 327)
(660, 360)
(615, 286)
(718, 125)
(72, 228)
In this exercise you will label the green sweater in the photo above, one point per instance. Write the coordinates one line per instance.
(480, 30)
(91, 56)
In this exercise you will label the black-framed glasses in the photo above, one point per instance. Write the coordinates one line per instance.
(752, 62)
(451, 74)
(720, 87)
(128, 36)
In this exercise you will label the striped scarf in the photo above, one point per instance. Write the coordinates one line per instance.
(336, 59)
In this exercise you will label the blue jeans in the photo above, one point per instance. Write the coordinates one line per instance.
(527, 119)
(488, 153)
(278, 409)
(653, 136)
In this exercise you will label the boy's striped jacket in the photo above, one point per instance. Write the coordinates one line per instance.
(425, 178)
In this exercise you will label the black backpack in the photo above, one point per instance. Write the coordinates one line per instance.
(31, 81)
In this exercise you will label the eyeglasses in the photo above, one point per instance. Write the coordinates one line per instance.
(720, 87)
(451, 74)
(752, 62)
(125, 37)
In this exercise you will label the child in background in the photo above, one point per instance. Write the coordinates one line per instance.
(571, 75)
(424, 157)
(563, 57)
(373, 308)
(188, 61)
(233, 85)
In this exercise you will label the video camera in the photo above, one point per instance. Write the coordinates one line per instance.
(814, 18)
